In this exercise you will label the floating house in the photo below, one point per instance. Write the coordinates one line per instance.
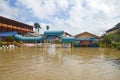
(86, 39)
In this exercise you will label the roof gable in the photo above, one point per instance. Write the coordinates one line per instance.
(86, 35)
(66, 33)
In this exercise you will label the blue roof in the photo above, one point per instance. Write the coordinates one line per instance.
(53, 33)
(67, 39)
(5, 34)
(28, 38)
(86, 39)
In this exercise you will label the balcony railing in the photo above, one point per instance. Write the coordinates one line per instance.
(15, 27)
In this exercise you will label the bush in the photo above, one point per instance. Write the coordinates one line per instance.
(96, 45)
(16, 43)
(111, 40)
(9, 39)
(107, 40)
(102, 45)
(115, 44)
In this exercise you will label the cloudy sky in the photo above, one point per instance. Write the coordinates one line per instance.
(72, 16)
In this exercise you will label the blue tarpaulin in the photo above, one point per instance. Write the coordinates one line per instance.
(5, 34)
(28, 38)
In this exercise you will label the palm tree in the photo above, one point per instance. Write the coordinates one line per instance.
(47, 27)
(37, 26)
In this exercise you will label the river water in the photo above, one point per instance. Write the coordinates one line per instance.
(59, 64)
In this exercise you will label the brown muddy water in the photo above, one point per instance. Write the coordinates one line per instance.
(60, 64)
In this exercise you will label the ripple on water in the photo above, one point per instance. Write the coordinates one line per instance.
(62, 64)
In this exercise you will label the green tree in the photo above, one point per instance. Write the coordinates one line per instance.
(37, 27)
(9, 39)
(114, 37)
(111, 40)
(47, 27)
(107, 41)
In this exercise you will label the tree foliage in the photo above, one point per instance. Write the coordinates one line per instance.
(47, 27)
(8, 39)
(37, 26)
(114, 37)
(111, 40)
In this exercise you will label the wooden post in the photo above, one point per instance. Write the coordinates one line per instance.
(71, 45)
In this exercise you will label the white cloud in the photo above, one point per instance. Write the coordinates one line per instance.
(62, 4)
(6, 10)
(39, 8)
(94, 16)
(103, 5)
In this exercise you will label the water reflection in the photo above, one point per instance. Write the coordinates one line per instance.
(52, 50)
(59, 64)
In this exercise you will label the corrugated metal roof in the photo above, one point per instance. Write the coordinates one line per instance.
(114, 28)
(67, 39)
(53, 33)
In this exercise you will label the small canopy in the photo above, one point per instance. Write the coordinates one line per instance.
(67, 39)
(86, 39)
(5, 34)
